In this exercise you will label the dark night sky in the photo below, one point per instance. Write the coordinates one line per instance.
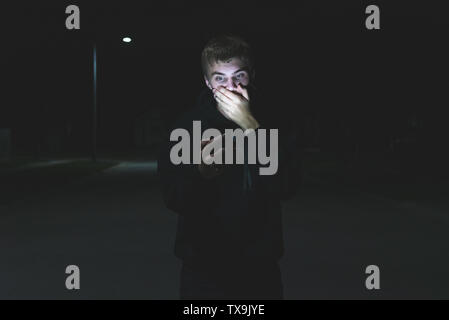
(317, 53)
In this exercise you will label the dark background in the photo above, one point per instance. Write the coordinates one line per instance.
(357, 88)
(369, 109)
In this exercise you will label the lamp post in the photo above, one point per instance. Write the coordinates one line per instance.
(94, 129)
(94, 116)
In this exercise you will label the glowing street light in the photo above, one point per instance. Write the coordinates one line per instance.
(127, 39)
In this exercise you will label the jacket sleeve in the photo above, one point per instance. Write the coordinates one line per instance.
(184, 190)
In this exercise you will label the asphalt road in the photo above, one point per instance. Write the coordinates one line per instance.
(115, 228)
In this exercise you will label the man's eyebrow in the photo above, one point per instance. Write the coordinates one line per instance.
(241, 69)
(237, 71)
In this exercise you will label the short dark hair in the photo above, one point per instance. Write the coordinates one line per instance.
(225, 47)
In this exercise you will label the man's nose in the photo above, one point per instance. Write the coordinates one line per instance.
(232, 84)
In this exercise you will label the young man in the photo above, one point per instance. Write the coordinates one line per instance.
(229, 233)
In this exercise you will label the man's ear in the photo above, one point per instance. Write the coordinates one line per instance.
(207, 83)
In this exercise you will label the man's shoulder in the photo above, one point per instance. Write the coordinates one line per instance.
(195, 113)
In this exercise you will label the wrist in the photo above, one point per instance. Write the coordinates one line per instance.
(250, 123)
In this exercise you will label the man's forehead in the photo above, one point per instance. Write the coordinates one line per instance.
(230, 65)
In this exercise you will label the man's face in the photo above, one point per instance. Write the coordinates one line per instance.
(228, 74)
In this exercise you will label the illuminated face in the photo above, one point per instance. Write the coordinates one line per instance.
(228, 74)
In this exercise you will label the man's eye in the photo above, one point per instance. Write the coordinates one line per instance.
(241, 75)
(219, 79)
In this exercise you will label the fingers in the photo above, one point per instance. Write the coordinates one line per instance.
(234, 96)
(207, 146)
(225, 114)
(211, 158)
(224, 109)
(224, 98)
(205, 142)
(210, 166)
(225, 105)
(211, 140)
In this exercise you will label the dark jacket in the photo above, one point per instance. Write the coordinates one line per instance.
(236, 215)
